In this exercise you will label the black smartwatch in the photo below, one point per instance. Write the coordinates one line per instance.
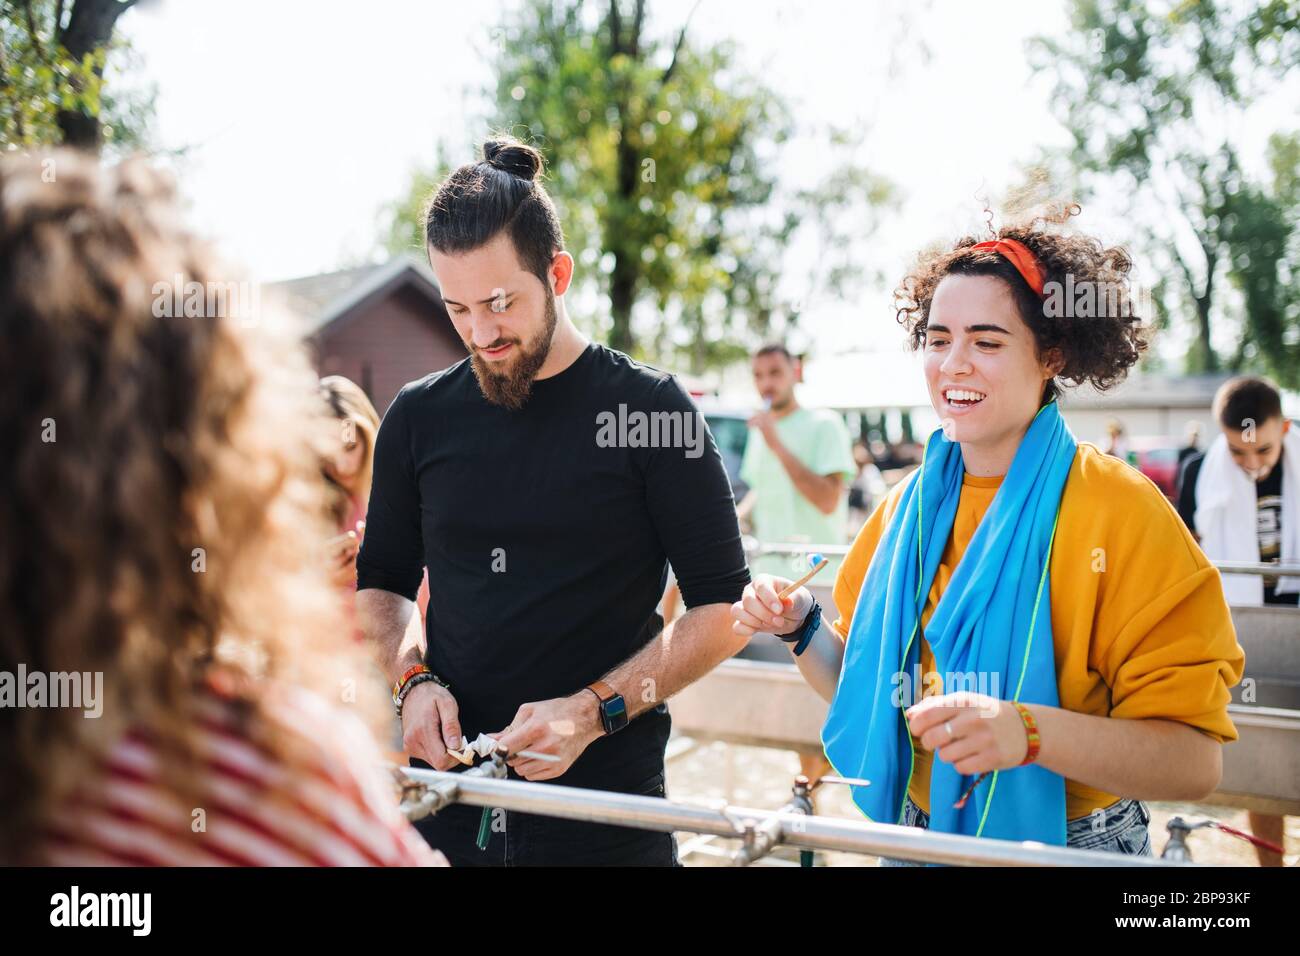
(613, 709)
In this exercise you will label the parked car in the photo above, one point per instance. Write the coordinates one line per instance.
(1157, 458)
(730, 432)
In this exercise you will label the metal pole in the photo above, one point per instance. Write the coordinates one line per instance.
(753, 546)
(795, 829)
(1248, 567)
(760, 839)
(421, 798)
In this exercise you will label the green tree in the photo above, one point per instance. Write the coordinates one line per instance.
(53, 56)
(655, 147)
(1151, 93)
(663, 160)
(1260, 226)
(402, 220)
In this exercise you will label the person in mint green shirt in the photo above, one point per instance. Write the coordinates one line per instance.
(798, 464)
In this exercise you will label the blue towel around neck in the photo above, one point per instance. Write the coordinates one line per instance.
(991, 632)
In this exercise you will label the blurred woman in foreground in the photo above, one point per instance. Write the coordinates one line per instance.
(163, 517)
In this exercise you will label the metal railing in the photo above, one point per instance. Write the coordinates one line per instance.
(753, 546)
(760, 831)
(1248, 567)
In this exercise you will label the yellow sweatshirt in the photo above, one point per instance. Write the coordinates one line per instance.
(1139, 621)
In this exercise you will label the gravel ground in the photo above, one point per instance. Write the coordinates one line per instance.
(761, 778)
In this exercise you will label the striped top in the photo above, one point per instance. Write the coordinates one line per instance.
(341, 811)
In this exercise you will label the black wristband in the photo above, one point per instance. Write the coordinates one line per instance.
(805, 631)
(795, 636)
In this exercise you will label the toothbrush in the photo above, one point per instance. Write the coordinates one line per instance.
(816, 562)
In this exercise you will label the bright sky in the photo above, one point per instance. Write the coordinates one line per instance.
(299, 120)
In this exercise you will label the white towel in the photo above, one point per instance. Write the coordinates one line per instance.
(483, 745)
(1228, 524)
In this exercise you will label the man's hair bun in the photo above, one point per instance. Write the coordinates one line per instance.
(501, 191)
(513, 157)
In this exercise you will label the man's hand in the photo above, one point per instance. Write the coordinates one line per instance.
(431, 725)
(563, 727)
(765, 422)
(973, 732)
(761, 610)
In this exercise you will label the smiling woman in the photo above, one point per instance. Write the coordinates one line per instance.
(1036, 564)
(1098, 345)
(988, 377)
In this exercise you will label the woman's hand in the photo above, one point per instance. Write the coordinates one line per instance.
(760, 610)
(343, 568)
(973, 732)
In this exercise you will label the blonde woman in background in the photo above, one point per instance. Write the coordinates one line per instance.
(348, 470)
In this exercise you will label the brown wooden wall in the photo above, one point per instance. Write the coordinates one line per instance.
(387, 341)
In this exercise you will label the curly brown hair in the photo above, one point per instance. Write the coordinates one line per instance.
(1099, 347)
(130, 442)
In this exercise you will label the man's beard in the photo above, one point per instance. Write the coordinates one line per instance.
(511, 387)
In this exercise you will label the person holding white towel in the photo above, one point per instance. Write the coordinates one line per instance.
(1242, 501)
(1242, 497)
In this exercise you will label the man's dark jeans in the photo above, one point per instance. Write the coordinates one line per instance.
(525, 839)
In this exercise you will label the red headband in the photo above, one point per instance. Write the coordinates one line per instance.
(1018, 255)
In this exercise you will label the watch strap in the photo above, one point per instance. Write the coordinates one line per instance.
(802, 636)
(797, 634)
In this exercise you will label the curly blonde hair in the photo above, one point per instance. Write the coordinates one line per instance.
(161, 499)
(1099, 348)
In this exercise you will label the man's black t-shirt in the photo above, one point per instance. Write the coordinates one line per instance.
(1268, 516)
(547, 550)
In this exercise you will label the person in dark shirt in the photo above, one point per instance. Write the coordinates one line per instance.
(1191, 443)
(1254, 438)
(546, 482)
(1257, 448)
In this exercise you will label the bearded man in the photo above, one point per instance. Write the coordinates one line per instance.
(547, 549)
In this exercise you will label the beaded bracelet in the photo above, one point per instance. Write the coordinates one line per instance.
(422, 678)
(402, 681)
(1035, 744)
(1031, 731)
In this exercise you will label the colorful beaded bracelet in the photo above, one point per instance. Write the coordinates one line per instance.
(414, 682)
(402, 681)
(1031, 731)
